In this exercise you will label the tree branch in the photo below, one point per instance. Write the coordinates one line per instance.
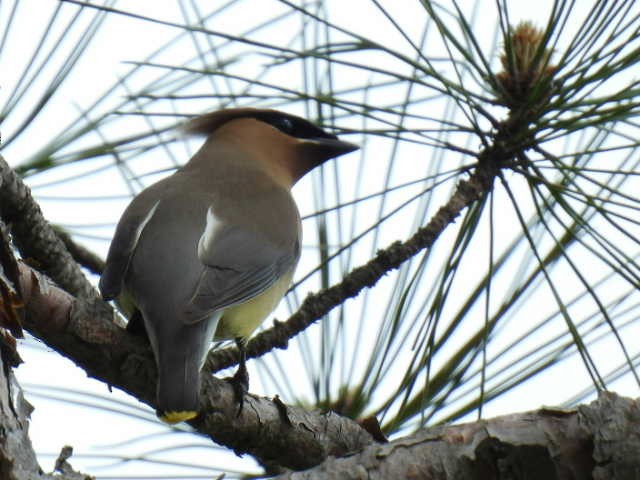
(17, 458)
(270, 431)
(596, 441)
(35, 238)
(82, 255)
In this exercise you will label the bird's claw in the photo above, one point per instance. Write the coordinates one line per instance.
(240, 384)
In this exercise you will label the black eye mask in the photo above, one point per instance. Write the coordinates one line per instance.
(294, 126)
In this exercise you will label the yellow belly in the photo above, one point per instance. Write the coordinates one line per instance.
(242, 320)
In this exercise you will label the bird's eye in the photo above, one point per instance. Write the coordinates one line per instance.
(292, 125)
(285, 125)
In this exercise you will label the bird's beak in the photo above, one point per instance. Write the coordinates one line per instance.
(326, 148)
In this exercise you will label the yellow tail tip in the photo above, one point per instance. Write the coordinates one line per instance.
(177, 417)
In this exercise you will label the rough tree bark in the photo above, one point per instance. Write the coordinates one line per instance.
(600, 441)
(17, 457)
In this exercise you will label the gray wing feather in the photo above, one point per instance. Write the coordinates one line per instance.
(122, 247)
(239, 264)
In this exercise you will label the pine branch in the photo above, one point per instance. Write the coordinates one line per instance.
(266, 429)
(17, 456)
(600, 440)
(35, 238)
(85, 257)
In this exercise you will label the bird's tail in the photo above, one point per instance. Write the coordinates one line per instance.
(178, 394)
(178, 383)
(179, 358)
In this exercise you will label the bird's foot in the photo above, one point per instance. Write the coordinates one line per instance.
(240, 381)
(240, 384)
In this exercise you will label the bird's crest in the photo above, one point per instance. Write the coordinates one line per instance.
(289, 124)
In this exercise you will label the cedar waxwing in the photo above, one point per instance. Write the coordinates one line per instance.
(210, 251)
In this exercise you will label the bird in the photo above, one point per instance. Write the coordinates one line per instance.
(208, 252)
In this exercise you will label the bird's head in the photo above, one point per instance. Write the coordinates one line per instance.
(286, 143)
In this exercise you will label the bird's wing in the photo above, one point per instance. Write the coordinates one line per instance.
(238, 265)
(123, 245)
